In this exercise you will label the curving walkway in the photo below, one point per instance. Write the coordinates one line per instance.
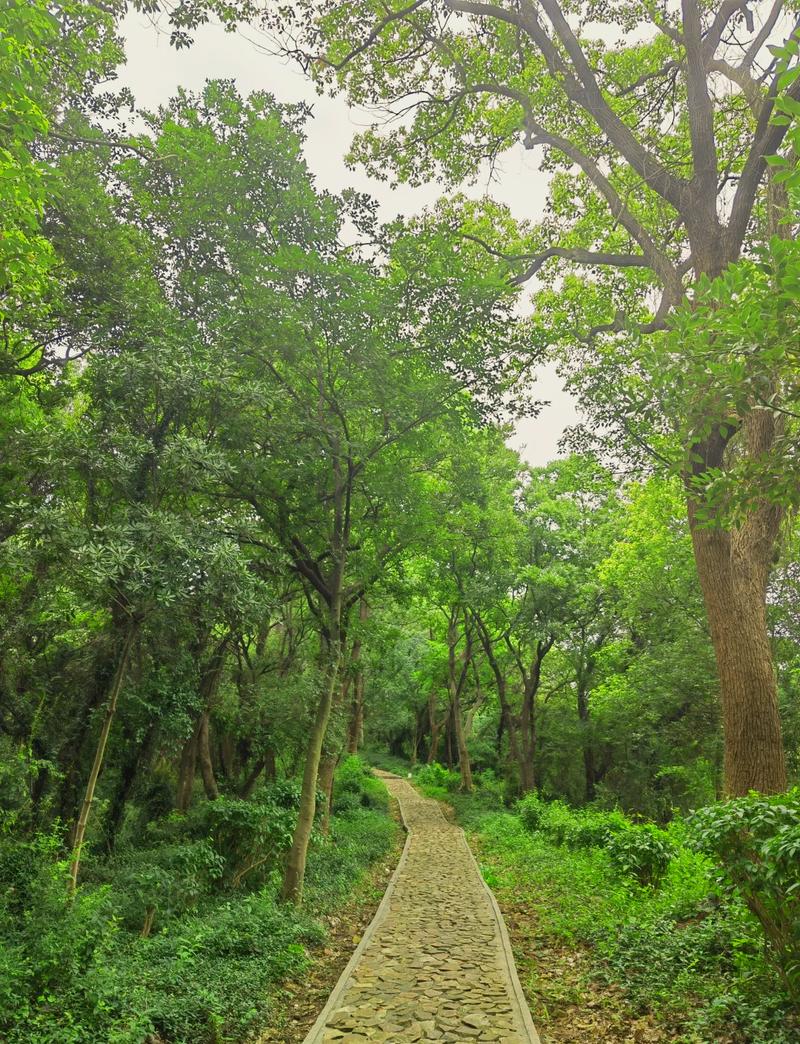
(435, 964)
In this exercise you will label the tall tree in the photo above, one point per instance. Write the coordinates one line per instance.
(646, 205)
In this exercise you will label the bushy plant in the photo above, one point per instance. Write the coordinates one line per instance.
(641, 850)
(436, 775)
(354, 787)
(250, 836)
(557, 820)
(595, 829)
(530, 810)
(755, 842)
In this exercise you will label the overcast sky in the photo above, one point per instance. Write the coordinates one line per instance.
(154, 70)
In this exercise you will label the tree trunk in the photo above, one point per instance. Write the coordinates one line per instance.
(735, 605)
(527, 735)
(97, 764)
(590, 774)
(461, 744)
(454, 685)
(436, 729)
(355, 730)
(527, 725)
(204, 757)
(132, 758)
(198, 748)
(270, 768)
(249, 785)
(294, 874)
(186, 771)
(733, 568)
(327, 767)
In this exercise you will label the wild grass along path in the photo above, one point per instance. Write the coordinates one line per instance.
(435, 964)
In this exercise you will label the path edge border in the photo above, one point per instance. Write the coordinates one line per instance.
(508, 953)
(314, 1034)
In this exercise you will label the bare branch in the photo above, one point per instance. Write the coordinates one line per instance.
(645, 163)
(700, 109)
(763, 34)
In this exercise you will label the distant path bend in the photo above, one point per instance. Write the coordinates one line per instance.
(435, 964)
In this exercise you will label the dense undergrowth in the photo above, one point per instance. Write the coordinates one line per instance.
(698, 921)
(179, 936)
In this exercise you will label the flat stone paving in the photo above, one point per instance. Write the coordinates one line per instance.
(435, 966)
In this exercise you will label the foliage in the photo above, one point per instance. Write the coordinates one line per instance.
(680, 949)
(79, 972)
(354, 786)
(435, 775)
(755, 842)
(641, 850)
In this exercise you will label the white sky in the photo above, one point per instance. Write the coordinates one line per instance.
(154, 70)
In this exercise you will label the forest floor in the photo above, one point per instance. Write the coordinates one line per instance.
(298, 1002)
(570, 1005)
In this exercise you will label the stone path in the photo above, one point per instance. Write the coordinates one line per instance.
(435, 963)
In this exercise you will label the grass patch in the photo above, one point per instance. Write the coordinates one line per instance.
(680, 952)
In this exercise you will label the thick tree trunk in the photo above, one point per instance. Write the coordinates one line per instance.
(733, 567)
(735, 604)
(294, 874)
(97, 764)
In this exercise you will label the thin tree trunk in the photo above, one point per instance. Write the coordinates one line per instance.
(590, 774)
(204, 758)
(249, 785)
(436, 728)
(461, 744)
(186, 771)
(197, 748)
(455, 685)
(327, 768)
(97, 764)
(296, 864)
(270, 768)
(355, 731)
(133, 757)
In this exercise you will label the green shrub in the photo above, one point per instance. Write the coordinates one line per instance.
(641, 850)
(755, 842)
(531, 811)
(595, 829)
(354, 787)
(557, 820)
(167, 880)
(436, 775)
(250, 836)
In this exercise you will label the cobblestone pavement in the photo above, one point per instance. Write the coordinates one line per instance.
(435, 962)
